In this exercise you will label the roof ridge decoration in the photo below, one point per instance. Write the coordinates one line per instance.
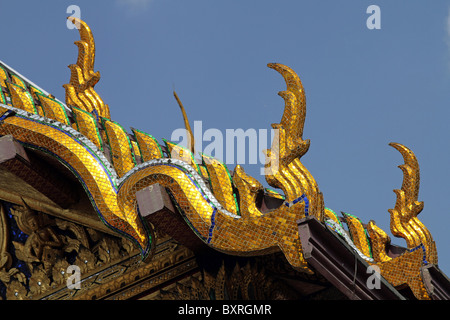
(80, 90)
(113, 165)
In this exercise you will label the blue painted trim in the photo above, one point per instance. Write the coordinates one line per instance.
(213, 223)
(303, 198)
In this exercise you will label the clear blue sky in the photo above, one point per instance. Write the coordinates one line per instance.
(365, 88)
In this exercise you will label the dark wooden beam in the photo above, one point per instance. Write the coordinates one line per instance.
(36, 172)
(436, 282)
(156, 207)
(334, 259)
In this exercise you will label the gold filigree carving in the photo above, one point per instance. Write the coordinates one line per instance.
(6, 272)
(51, 246)
(250, 282)
(39, 282)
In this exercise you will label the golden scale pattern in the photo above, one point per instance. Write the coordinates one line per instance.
(217, 218)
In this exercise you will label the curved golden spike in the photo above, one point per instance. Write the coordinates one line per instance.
(295, 86)
(86, 57)
(404, 221)
(86, 46)
(80, 90)
(294, 114)
(411, 175)
(284, 169)
(190, 136)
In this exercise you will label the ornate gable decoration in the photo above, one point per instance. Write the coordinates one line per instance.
(220, 208)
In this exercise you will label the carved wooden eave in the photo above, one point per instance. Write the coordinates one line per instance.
(334, 259)
(339, 264)
(130, 277)
(37, 250)
(437, 283)
(157, 208)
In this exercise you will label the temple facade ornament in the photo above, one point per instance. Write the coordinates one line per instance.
(222, 209)
(38, 249)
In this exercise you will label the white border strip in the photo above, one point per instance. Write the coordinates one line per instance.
(195, 176)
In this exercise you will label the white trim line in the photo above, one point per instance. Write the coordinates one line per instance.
(32, 83)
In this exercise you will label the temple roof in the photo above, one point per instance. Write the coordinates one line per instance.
(72, 161)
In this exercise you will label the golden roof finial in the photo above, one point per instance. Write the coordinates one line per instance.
(404, 221)
(80, 91)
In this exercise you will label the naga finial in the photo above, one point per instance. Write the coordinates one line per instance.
(404, 221)
(80, 91)
(284, 169)
(421, 248)
(293, 119)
